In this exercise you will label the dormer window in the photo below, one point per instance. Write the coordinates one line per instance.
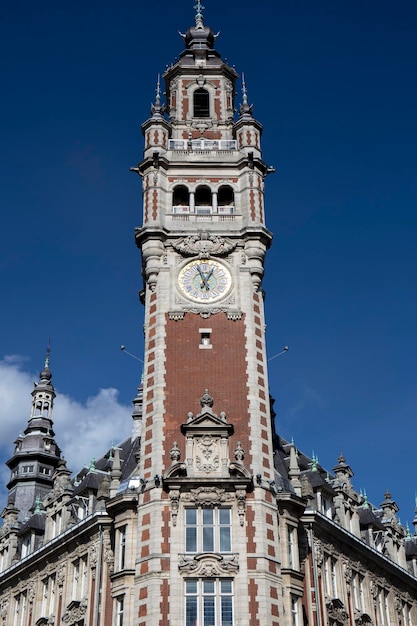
(201, 103)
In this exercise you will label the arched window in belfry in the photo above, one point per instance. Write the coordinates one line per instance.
(203, 200)
(225, 199)
(201, 103)
(180, 196)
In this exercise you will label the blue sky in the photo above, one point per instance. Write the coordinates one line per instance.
(334, 85)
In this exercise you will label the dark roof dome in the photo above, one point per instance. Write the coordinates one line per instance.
(45, 374)
(201, 37)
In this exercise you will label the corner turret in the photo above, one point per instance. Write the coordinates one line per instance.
(36, 454)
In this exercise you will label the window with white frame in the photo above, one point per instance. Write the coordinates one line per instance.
(25, 547)
(330, 576)
(79, 578)
(292, 547)
(19, 618)
(51, 592)
(121, 541)
(209, 602)
(406, 612)
(56, 524)
(383, 607)
(295, 611)
(3, 558)
(120, 605)
(208, 530)
(358, 594)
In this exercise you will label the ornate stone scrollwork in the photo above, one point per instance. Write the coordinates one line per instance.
(336, 611)
(204, 245)
(208, 460)
(208, 496)
(75, 611)
(209, 564)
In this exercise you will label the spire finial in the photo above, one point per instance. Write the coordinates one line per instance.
(158, 90)
(199, 15)
(245, 108)
(244, 91)
(157, 109)
(48, 353)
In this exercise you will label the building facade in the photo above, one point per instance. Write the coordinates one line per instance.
(205, 516)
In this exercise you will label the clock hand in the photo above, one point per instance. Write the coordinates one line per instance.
(208, 276)
(203, 278)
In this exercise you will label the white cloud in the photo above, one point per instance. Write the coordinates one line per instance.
(82, 431)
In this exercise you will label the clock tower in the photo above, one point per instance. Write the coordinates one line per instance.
(208, 532)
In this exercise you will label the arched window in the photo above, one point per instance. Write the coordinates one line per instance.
(203, 200)
(180, 199)
(201, 103)
(225, 196)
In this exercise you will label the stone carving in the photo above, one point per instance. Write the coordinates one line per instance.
(318, 553)
(208, 447)
(336, 611)
(31, 589)
(75, 611)
(209, 564)
(206, 399)
(109, 555)
(239, 452)
(207, 496)
(4, 610)
(175, 453)
(347, 570)
(60, 576)
(204, 245)
(93, 556)
(174, 496)
(241, 505)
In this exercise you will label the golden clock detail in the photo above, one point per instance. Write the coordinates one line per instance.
(205, 281)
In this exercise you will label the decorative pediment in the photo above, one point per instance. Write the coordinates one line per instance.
(207, 420)
(209, 564)
(207, 441)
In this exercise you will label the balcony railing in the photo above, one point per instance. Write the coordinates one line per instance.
(182, 209)
(202, 144)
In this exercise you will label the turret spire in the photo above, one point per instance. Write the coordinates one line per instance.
(36, 453)
(157, 109)
(245, 108)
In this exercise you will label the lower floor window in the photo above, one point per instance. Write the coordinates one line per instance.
(208, 602)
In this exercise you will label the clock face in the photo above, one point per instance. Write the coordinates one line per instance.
(205, 281)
